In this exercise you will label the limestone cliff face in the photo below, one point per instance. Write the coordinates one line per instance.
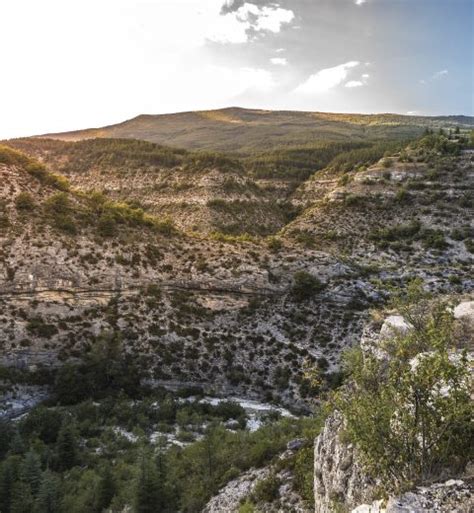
(340, 482)
(338, 477)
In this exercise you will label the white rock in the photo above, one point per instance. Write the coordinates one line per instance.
(394, 325)
(375, 507)
(464, 310)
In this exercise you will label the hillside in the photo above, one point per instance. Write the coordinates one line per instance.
(176, 295)
(195, 310)
(151, 328)
(199, 191)
(246, 130)
(413, 208)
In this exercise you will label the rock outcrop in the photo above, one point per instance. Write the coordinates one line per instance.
(340, 482)
(236, 492)
(338, 477)
(454, 495)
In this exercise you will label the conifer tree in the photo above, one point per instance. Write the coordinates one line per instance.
(148, 489)
(66, 447)
(49, 495)
(106, 490)
(17, 445)
(21, 499)
(8, 476)
(30, 471)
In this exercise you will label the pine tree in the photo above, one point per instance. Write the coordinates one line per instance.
(17, 445)
(106, 490)
(6, 434)
(8, 476)
(147, 495)
(66, 448)
(49, 495)
(22, 499)
(30, 471)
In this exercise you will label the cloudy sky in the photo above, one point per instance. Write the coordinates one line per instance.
(81, 63)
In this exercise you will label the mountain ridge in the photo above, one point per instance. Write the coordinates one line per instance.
(241, 130)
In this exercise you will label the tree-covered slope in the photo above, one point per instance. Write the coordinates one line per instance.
(245, 130)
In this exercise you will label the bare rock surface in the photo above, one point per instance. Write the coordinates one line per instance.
(337, 475)
(231, 496)
(454, 495)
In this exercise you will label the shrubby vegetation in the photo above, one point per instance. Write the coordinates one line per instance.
(13, 157)
(100, 441)
(297, 163)
(409, 412)
(365, 156)
(70, 212)
(305, 285)
(208, 160)
(393, 236)
(125, 155)
(75, 458)
(25, 201)
(437, 143)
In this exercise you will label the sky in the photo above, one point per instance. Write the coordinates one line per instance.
(85, 63)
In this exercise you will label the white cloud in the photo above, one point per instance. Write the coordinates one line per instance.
(279, 61)
(358, 83)
(235, 26)
(271, 18)
(280, 50)
(354, 83)
(360, 2)
(326, 79)
(228, 29)
(440, 74)
(435, 76)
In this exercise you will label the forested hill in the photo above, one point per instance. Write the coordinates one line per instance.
(247, 130)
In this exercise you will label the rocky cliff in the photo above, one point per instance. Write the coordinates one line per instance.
(340, 481)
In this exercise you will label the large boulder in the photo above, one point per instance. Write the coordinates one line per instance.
(394, 325)
(464, 310)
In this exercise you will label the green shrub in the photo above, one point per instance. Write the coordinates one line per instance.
(13, 157)
(469, 244)
(58, 203)
(406, 429)
(59, 208)
(40, 172)
(267, 490)
(107, 225)
(36, 326)
(462, 233)
(344, 179)
(24, 201)
(305, 238)
(208, 160)
(305, 285)
(164, 226)
(274, 243)
(397, 232)
(247, 507)
(354, 199)
(434, 239)
(402, 196)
